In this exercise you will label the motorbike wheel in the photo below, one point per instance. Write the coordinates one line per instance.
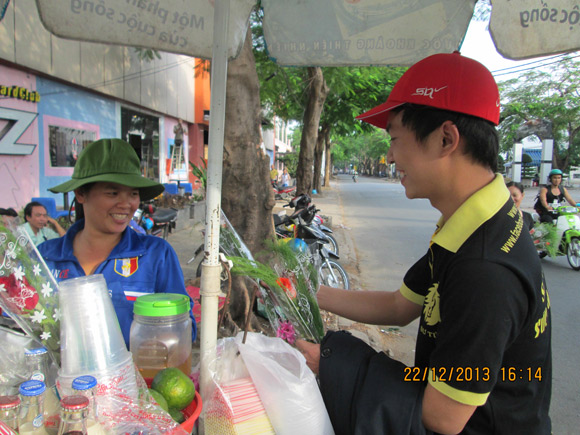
(333, 275)
(332, 246)
(573, 253)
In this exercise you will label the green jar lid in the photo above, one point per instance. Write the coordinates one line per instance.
(161, 305)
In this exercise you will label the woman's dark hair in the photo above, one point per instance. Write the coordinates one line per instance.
(29, 206)
(79, 210)
(517, 185)
(480, 136)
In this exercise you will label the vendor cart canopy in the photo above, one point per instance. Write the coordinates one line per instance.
(320, 32)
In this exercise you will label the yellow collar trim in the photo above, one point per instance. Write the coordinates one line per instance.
(478, 208)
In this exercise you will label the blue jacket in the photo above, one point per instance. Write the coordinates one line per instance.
(138, 265)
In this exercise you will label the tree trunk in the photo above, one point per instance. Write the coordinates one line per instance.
(247, 198)
(320, 140)
(328, 160)
(317, 91)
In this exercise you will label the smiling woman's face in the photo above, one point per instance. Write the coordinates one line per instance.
(517, 195)
(109, 207)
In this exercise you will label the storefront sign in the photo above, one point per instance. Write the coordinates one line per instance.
(20, 93)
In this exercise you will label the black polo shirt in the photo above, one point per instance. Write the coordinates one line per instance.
(485, 331)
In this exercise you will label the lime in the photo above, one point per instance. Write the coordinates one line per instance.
(175, 386)
(176, 415)
(158, 397)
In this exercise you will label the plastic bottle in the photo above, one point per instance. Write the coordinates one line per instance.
(31, 420)
(160, 334)
(37, 363)
(87, 386)
(9, 410)
(74, 412)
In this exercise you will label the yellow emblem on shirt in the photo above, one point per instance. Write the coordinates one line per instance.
(431, 306)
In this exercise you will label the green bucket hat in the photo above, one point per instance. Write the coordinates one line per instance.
(112, 161)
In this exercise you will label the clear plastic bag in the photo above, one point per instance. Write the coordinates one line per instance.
(263, 387)
(286, 385)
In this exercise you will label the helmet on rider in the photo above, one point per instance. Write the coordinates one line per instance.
(554, 172)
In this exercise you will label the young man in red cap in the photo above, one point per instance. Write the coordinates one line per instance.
(483, 352)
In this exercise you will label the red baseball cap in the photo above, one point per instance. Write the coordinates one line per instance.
(446, 81)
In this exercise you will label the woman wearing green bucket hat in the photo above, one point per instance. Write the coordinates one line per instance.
(108, 188)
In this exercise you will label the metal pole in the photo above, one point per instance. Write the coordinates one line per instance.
(210, 277)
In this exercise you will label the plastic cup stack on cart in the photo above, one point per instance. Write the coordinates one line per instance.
(91, 338)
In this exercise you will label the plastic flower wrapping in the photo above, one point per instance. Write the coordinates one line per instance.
(287, 285)
(545, 237)
(28, 291)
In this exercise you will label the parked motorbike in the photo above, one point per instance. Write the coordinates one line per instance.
(155, 221)
(331, 273)
(311, 217)
(561, 237)
(283, 192)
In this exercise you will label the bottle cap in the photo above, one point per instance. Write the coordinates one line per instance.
(32, 388)
(37, 351)
(7, 402)
(161, 305)
(74, 403)
(84, 383)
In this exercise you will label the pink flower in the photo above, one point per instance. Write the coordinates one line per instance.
(286, 332)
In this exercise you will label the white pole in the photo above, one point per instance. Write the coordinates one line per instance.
(546, 163)
(210, 277)
(517, 166)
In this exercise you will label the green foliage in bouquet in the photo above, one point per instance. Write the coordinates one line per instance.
(288, 288)
(28, 292)
(546, 237)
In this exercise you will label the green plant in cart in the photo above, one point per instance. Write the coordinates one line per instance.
(200, 171)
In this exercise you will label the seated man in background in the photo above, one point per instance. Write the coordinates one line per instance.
(37, 220)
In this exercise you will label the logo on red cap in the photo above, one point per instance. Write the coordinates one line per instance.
(446, 81)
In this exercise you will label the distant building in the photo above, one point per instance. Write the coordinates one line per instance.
(58, 95)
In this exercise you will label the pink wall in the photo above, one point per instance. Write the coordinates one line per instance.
(17, 189)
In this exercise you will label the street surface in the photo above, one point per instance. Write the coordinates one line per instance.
(384, 233)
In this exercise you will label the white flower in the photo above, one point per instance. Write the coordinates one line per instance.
(36, 270)
(45, 335)
(19, 273)
(38, 316)
(46, 290)
(56, 315)
(2, 288)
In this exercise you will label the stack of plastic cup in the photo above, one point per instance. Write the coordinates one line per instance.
(91, 338)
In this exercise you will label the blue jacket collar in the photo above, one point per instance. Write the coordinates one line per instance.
(131, 244)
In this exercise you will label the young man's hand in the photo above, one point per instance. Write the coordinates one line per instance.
(311, 352)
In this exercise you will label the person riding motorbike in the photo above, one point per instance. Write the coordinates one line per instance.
(551, 195)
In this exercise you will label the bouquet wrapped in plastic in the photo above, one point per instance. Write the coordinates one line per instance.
(288, 290)
(28, 291)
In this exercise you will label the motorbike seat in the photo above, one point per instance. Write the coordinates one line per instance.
(164, 215)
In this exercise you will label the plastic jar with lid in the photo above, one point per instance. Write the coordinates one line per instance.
(160, 334)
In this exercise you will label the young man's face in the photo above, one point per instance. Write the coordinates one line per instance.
(415, 161)
(38, 218)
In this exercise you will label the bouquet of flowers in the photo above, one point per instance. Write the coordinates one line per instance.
(287, 285)
(545, 237)
(289, 292)
(28, 291)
